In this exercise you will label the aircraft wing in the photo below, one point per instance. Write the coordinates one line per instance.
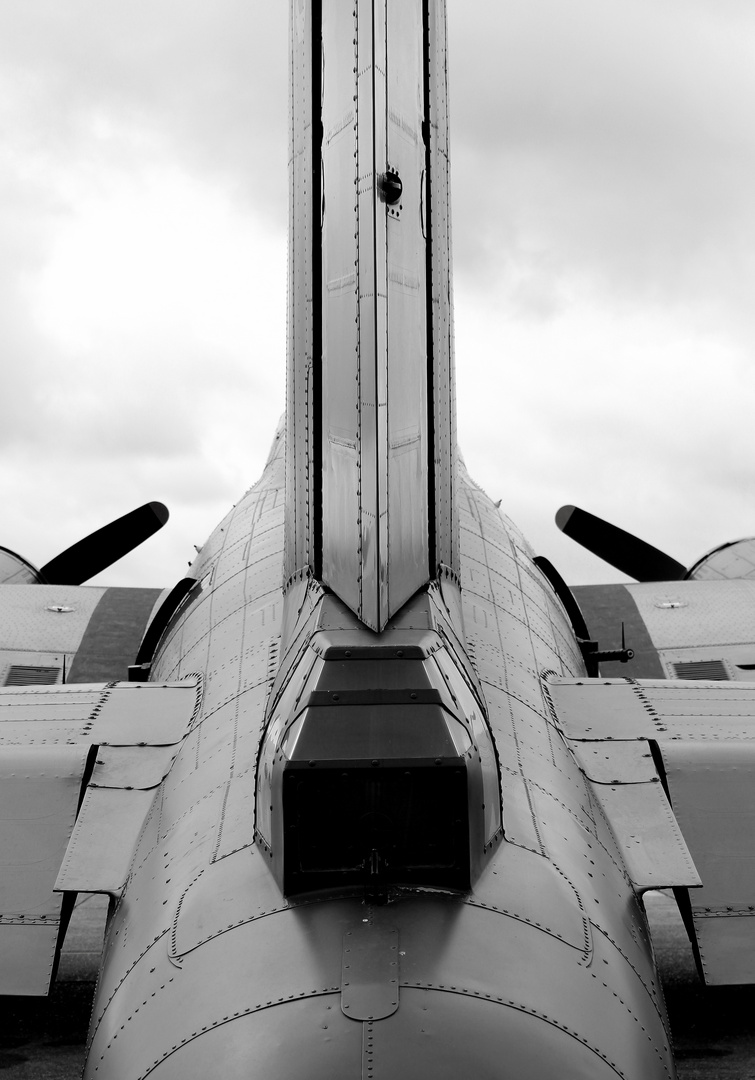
(80, 768)
(672, 766)
(70, 633)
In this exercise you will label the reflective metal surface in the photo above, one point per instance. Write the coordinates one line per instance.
(370, 463)
(124, 714)
(39, 792)
(370, 972)
(375, 445)
(104, 838)
(711, 787)
(733, 560)
(303, 346)
(15, 570)
(438, 203)
(704, 737)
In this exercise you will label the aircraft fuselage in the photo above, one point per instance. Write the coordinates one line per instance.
(542, 966)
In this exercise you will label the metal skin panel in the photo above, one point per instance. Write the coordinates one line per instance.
(537, 893)
(132, 766)
(305, 1039)
(123, 714)
(651, 843)
(437, 196)
(662, 710)
(302, 363)
(39, 793)
(48, 618)
(372, 357)
(691, 614)
(235, 830)
(694, 613)
(15, 570)
(618, 763)
(244, 891)
(34, 668)
(378, 404)
(711, 787)
(626, 784)
(725, 947)
(731, 662)
(27, 957)
(43, 714)
(155, 715)
(735, 560)
(343, 336)
(448, 950)
(406, 331)
(492, 1036)
(239, 971)
(104, 838)
(370, 972)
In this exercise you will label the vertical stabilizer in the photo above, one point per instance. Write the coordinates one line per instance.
(370, 406)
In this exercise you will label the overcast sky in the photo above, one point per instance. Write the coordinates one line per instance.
(603, 159)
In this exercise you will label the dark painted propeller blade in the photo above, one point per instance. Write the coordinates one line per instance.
(102, 548)
(626, 552)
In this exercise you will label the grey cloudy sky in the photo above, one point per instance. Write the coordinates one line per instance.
(604, 232)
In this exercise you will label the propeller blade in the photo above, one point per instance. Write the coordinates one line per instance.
(102, 548)
(618, 548)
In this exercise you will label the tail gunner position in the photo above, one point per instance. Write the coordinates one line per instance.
(373, 826)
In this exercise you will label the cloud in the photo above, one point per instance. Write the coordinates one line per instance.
(142, 268)
(608, 144)
(207, 83)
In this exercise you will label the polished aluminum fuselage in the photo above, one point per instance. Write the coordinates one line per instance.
(543, 968)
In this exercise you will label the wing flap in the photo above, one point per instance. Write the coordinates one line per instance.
(143, 714)
(651, 842)
(49, 844)
(132, 766)
(117, 714)
(93, 862)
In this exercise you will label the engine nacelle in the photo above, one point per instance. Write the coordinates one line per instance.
(15, 570)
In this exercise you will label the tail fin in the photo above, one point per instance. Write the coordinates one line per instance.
(371, 424)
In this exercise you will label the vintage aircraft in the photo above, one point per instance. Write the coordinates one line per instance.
(362, 806)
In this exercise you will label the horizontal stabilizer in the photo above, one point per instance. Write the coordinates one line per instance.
(701, 737)
(46, 735)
